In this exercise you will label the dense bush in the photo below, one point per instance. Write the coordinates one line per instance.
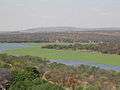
(36, 84)
(34, 73)
(108, 48)
(28, 73)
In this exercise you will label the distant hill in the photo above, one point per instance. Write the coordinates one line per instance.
(62, 34)
(62, 29)
(50, 29)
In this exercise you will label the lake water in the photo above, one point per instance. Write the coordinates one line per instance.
(76, 62)
(9, 46)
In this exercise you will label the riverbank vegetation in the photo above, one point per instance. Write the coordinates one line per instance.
(35, 73)
(106, 48)
(35, 49)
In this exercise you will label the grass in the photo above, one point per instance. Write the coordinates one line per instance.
(36, 50)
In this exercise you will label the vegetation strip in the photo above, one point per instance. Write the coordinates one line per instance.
(36, 50)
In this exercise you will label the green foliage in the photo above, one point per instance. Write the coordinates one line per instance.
(36, 84)
(101, 47)
(88, 87)
(46, 86)
(21, 85)
(4, 65)
(28, 73)
(71, 46)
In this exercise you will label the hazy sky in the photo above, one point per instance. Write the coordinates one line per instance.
(23, 14)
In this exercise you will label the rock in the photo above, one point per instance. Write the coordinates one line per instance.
(5, 78)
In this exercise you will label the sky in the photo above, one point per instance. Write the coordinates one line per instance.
(23, 14)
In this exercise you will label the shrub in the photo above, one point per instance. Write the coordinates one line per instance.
(36, 84)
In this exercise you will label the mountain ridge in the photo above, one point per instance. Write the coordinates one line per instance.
(63, 29)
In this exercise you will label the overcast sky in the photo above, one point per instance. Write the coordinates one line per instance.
(23, 14)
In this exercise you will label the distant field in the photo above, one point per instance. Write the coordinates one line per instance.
(36, 50)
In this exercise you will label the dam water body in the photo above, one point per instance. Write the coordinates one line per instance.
(11, 46)
(80, 62)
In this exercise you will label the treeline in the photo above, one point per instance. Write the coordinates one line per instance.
(108, 48)
(66, 36)
(71, 46)
(35, 73)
